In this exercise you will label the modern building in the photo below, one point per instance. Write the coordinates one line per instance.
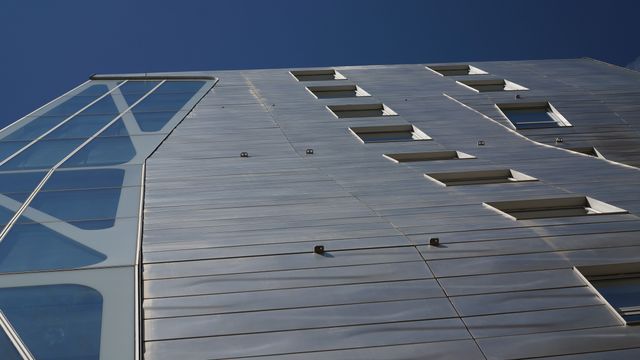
(483, 210)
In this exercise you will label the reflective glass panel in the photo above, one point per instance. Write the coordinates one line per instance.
(34, 247)
(7, 350)
(385, 136)
(78, 101)
(84, 179)
(106, 105)
(5, 216)
(134, 90)
(94, 90)
(20, 182)
(35, 128)
(9, 148)
(163, 102)
(138, 86)
(116, 129)
(530, 118)
(173, 86)
(81, 127)
(42, 155)
(69, 205)
(104, 151)
(153, 121)
(55, 321)
(619, 293)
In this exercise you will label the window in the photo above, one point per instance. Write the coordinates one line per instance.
(479, 177)
(391, 133)
(428, 156)
(619, 286)
(55, 321)
(587, 150)
(532, 115)
(317, 75)
(491, 85)
(360, 110)
(554, 207)
(338, 91)
(456, 70)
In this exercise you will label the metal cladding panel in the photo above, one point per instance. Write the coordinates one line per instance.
(228, 241)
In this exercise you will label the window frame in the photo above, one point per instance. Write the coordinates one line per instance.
(416, 133)
(316, 72)
(550, 110)
(610, 272)
(444, 155)
(328, 89)
(542, 205)
(507, 85)
(442, 70)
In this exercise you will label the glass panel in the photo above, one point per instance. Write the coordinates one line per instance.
(104, 151)
(81, 126)
(116, 129)
(94, 90)
(42, 155)
(9, 148)
(163, 102)
(5, 216)
(19, 197)
(134, 90)
(84, 179)
(20, 182)
(34, 247)
(106, 105)
(138, 86)
(78, 101)
(172, 86)
(153, 121)
(36, 127)
(91, 204)
(55, 321)
(619, 292)
(7, 350)
(530, 118)
(387, 136)
(93, 224)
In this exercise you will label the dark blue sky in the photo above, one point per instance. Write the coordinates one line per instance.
(48, 47)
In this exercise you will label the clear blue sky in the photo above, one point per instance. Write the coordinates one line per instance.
(49, 47)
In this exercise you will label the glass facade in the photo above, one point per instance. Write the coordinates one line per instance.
(71, 178)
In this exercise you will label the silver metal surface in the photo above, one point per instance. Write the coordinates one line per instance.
(229, 267)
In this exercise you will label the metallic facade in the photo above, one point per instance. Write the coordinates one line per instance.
(228, 245)
(425, 211)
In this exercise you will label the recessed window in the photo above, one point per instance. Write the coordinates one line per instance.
(532, 115)
(479, 177)
(338, 91)
(391, 133)
(428, 156)
(456, 70)
(554, 207)
(491, 85)
(619, 286)
(360, 110)
(587, 150)
(317, 75)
